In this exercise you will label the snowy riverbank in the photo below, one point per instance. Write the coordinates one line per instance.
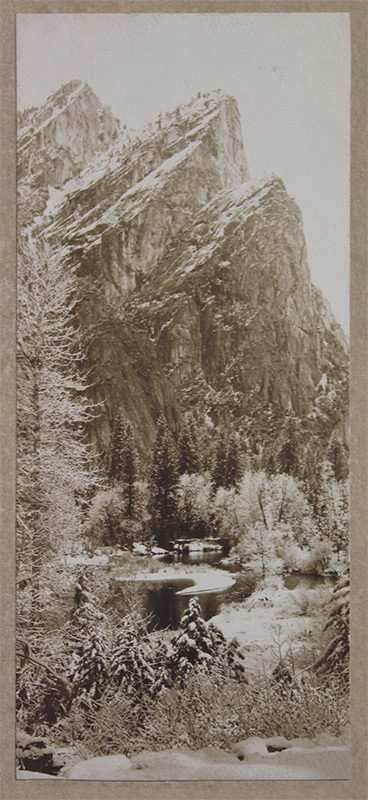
(271, 621)
(207, 580)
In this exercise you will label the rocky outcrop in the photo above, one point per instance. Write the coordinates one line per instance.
(34, 755)
(324, 758)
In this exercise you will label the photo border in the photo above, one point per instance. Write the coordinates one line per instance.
(356, 787)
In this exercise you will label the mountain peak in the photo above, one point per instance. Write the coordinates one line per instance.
(195, 289)
(56, 141)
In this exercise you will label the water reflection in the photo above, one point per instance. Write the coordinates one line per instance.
(298, 580)
(196, 557)
(166, 607)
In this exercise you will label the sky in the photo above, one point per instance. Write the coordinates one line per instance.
(289, 72)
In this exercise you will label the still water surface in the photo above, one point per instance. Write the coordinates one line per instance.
(167, 606)
(298, 580)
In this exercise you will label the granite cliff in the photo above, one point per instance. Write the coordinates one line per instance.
(195, 290)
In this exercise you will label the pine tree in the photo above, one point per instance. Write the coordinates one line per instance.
(261, 428)
(289, 446)
(341, 528)
(193, 646)
(188, 455)
(332, 509)
(202, 647)
(116, 448)
(234, 659)
(162, 482)
(134, 666)
(89, 672)
(226, 469)
(312, 474)
(228, 655)
(123, 460)
(129, 468)
(219, 473)
(335, 659)
(86, 614)
(233, 460)
(337, 455)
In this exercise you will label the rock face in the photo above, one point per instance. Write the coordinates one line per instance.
(194, 284)
(126, 211)
(235, 300)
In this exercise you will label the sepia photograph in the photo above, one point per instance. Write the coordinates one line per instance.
(182, 328)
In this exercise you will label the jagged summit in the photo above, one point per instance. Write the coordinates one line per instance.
(120, 213)
(34, 117)
(57, 141)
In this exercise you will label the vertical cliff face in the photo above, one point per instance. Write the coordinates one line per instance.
(194, 284)
(237, 303)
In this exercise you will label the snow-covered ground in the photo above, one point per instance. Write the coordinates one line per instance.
(207, 580)
(266, 624)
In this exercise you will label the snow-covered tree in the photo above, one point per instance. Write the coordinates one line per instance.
(54, 465)
(288, 445)
(228, 655)
(105, 519)
(89, 641)
(335, 658)
(193, 645)
(87, 614)
(188, 453)
(226, 468)
(135, 666)
(89, 671)
(130, 469)
(259, 511)
(116, 447)
(194, 504)
(337, 455)
(332, 509)
(198, 646)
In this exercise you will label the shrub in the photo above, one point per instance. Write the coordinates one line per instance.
(290, 552)
(89, 671)
(311, 601)
(215, 710)
(317, 557)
